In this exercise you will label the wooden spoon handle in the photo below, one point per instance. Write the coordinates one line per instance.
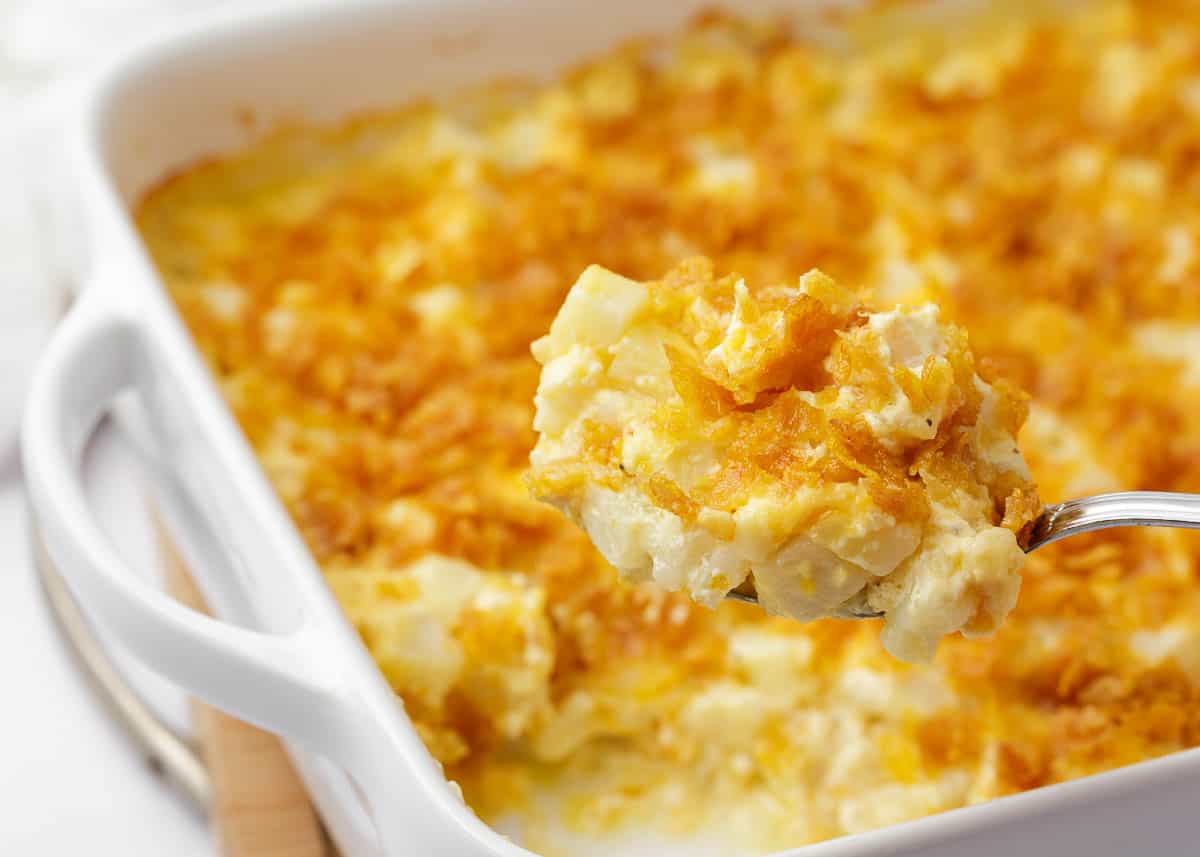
(259, 805)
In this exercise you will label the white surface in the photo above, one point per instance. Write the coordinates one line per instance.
(71, 783)
(30, 296)
(45, 46)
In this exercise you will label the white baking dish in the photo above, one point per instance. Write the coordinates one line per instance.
(283, 656)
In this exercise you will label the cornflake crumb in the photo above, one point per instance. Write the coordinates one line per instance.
(711, 435)
(379, 364)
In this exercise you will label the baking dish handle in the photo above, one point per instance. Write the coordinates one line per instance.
(272, 681)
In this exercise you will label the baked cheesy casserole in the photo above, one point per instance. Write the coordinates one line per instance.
(367, 297)
(711, 435)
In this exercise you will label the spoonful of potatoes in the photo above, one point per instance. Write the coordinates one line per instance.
(786, 445)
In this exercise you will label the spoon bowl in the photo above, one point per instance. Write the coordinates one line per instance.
(1061, 520)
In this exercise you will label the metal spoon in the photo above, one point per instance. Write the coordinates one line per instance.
(1070, 518)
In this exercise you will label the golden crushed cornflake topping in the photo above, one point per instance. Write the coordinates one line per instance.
(785, 439)
(367, 297)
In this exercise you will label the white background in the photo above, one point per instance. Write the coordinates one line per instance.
(71, 782)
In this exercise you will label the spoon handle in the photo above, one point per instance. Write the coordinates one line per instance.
(1122, 509)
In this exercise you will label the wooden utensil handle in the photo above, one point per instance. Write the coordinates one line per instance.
(259, 805)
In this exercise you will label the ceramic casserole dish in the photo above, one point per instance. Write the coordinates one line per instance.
(282, 655)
